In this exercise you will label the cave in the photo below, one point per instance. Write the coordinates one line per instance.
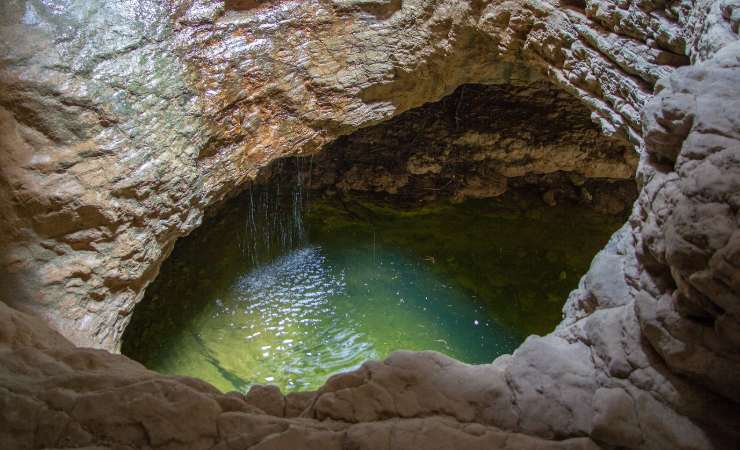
(459, 227)
(369, 224)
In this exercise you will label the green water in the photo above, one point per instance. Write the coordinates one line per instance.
(469, 280)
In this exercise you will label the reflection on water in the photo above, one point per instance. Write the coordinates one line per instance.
(368, 281)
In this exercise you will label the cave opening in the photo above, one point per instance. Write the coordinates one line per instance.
(459, 227)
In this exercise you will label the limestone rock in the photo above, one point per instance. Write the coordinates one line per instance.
(476, 143)
(118, 129)
(689, 309)
(54, 395)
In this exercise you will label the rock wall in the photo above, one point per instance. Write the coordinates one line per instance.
(122, 122)
(117, 134)
(478, 142)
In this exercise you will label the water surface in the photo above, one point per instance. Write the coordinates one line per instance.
(469, 280)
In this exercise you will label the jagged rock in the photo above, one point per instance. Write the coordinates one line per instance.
(688, 302)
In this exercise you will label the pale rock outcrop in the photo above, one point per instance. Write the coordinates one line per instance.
(689, 235)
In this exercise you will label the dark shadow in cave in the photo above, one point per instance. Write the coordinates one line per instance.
(477, 193)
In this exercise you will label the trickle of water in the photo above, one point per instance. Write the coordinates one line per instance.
(279, 228)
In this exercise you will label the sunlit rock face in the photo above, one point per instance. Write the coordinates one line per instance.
(122, 121)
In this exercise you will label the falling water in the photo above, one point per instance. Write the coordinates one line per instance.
(274, 223)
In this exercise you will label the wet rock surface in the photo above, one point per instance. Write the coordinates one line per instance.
(122, 121)
(480, 142)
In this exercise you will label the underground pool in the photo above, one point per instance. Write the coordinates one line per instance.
(265, 293)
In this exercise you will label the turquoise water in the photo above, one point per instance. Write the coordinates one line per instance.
(364, 282)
